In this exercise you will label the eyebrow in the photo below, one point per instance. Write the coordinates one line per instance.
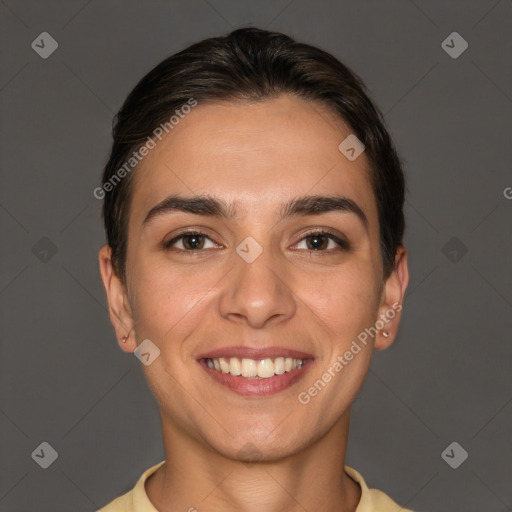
(215, 207)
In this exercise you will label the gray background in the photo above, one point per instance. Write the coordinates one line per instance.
(447, 378)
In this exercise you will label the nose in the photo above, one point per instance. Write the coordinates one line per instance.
(258, 292)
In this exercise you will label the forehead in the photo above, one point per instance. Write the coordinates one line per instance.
(255, 155)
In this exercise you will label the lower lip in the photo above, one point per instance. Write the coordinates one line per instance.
(257, 387)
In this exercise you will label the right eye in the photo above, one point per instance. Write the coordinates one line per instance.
(191, 241)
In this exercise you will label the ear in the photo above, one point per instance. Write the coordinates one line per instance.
(390, 307)
(118, 304)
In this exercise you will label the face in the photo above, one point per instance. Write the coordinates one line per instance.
(256, 289)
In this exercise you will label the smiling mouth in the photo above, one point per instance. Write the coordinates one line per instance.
(255, 369)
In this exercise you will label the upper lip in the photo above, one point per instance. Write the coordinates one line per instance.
(254, 353)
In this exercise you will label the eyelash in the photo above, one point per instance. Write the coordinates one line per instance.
(343, 245)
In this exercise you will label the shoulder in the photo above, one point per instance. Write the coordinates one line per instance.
(135, 500)
(373, 500)
(123, 503)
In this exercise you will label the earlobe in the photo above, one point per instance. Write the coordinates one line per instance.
(383, 340)
(392, 300)
(119, 309)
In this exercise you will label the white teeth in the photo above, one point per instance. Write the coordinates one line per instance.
(224, 365)
(252, 368)
(235, 367)
(265, 368)
(249, 368)
(279, 366)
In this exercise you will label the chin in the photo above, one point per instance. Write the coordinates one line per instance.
(259, 443)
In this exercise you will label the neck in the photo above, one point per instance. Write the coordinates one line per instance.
(194, 477)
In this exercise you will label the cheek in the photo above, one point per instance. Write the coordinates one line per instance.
(347, 305)
(170, 301)
(346, 300)
(161, 298)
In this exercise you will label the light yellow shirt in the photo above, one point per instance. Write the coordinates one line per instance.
(137, 500)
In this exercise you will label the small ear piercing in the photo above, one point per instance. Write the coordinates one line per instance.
(125, 338)
(385, 334)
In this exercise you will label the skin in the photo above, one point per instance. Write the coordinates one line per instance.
(257, 156)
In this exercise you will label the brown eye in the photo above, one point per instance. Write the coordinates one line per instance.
(319, 241)
(189, 241)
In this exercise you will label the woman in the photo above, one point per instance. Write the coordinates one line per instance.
(254, 219)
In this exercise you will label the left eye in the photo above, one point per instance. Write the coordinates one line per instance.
(320, 241)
